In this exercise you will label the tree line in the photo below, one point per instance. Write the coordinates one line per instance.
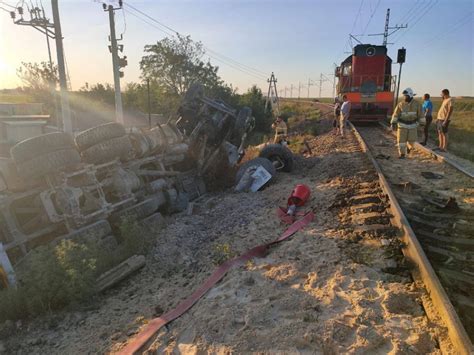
(170, 67)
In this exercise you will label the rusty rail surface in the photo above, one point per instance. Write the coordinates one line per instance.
(423, 270)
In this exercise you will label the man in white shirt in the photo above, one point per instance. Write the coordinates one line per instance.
(345, 113)
(443, 119)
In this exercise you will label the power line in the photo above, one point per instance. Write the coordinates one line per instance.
(7, 4)
(124, 22)
(212, 54)
(371, 16)
(463, 21)
(413, 11)
(357, 17)
(415, 15)
(249, 68)
(427, 9)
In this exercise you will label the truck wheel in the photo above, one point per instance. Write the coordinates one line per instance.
(281, 156)
(48, 163)
(32, 147)
(255, 163)
(136, 212)
(98, 134)
(108, 150)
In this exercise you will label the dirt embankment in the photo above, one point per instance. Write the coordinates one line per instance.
(326, 290)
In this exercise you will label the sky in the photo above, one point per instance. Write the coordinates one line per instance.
(296, 39)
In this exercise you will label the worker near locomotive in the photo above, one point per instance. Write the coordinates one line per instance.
(407, 116)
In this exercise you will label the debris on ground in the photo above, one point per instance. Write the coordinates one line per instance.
(329, 289)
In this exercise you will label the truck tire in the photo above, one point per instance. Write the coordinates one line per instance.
(32, 147)
(98, 134)
(265, 163)
(136, 212)
(278, 153)
(48, 163)
(108, 150)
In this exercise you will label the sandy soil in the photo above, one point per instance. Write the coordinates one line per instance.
(326, 290)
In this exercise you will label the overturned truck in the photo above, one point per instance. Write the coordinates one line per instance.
(58, 187)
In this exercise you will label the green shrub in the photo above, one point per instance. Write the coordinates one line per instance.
(222, 253)
(52, 277)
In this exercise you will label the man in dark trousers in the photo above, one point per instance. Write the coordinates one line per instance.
(427, 110)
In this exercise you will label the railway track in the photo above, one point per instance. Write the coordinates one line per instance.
(434, 207)
(438, 203)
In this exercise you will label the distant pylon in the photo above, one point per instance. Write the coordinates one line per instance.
(272, 96)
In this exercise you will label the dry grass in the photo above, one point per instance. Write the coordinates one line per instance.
(461, 129)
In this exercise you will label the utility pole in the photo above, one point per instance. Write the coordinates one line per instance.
(272, 95)
(40, 23)
(66, 111)
(299, 90)
(291, 91)
(387, 27)
(117, 62)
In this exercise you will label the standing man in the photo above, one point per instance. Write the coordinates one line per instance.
(337, 114)
(443, 119)
(407, 116)
(345, 113)
(427, 109)
(281, 130)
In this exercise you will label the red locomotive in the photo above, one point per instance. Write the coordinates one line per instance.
(366, 78)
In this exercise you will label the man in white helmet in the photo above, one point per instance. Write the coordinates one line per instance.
(407, 117)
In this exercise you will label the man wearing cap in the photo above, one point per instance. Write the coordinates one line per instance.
(407, 117)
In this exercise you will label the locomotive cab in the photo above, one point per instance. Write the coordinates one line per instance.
(366, 78)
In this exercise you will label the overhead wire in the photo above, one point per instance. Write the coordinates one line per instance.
(357, 17)
(459, 24)
(422, 15)
(213, 54)
(220, 60)
(409, 12)
(205, 47)
(413, 11)
(124, 22)
(7, 4)
(371, 17)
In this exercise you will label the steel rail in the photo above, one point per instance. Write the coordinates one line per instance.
(423, 270)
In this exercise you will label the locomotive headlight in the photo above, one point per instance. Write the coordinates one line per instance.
(370, 51)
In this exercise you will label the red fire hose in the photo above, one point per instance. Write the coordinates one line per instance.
(141, 340)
